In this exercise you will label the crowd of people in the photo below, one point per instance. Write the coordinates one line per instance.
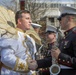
(18, 53)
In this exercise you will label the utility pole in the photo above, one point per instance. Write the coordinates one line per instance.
(22, 4)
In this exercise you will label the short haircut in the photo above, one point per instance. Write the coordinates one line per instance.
(19, 14)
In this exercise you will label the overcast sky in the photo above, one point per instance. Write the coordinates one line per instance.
(59, 0)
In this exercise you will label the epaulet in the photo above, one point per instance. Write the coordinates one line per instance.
(74, 30)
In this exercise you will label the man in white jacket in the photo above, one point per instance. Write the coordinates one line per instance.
(15, 54)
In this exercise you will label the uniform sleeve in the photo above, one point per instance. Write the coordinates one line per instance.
(67, 60)
(10, 60)
(43, 63)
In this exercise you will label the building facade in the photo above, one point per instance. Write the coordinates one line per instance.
(50, 9)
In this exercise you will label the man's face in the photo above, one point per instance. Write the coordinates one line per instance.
(37, 29)
(25, 21)
(51, 36)
(64, 23)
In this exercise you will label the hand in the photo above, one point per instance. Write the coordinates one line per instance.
(32, 64)
(55, 53)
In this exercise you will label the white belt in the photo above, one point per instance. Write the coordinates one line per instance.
(65, 67)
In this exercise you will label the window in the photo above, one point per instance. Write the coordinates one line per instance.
(52, 20)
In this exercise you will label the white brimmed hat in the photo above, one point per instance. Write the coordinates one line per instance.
(66, 10)
(51, 29)
(35, 25)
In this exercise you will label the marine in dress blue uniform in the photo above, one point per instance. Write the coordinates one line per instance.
(67, 56)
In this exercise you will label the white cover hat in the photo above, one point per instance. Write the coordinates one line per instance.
(66, 10)
(35, 25)
(51, 28)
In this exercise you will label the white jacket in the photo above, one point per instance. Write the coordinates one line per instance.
(14, 54)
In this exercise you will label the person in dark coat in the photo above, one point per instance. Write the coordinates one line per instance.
(51, 35)
(66, 53)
